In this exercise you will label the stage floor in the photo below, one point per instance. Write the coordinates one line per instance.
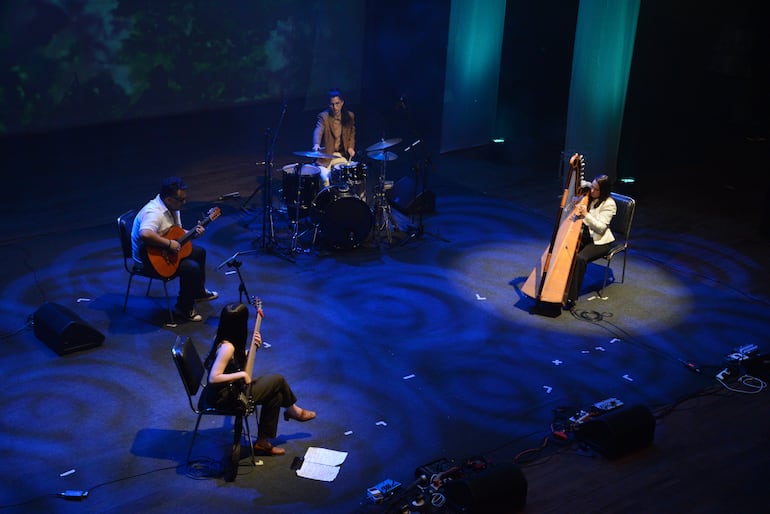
(411, 350)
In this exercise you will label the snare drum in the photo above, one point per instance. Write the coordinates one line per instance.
(345, 220)
(352, 176)
(303, 187)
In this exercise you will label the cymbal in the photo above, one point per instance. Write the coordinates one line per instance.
(315, 155)
(382, 145)
(383, 156)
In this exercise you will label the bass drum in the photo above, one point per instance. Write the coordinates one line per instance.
(345, 220)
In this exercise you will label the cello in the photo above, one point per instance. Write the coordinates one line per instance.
(246, 401)
(549, 280)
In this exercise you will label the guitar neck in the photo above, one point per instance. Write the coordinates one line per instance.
(191, 233)
(249, 368)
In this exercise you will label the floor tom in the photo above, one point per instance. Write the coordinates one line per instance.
(300, 184)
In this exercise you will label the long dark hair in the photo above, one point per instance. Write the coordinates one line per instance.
(233, 327)
(605, 188)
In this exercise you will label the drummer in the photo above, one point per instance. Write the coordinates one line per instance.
(335, 133)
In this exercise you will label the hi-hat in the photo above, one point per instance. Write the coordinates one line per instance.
(315, 155)
(383, 156)
(382, 145)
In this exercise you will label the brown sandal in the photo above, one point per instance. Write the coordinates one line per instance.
(304, 415)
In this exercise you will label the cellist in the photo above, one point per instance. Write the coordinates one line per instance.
(225, 363)
(596, 235)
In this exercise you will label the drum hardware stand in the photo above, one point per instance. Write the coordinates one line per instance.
(315, 235)
(383, 216)
(297, 208)
(295, 235)
(315, 155)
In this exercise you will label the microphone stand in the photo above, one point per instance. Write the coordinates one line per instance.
(267, 193)
(233, 262)
(421, 169)
(268, 228)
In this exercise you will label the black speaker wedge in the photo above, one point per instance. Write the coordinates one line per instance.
(405, 198)
(619, 432)
(63, 330)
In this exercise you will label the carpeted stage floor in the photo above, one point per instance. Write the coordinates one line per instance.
(410, 351)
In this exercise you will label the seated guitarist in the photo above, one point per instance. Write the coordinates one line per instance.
(227, 360)
(151, 225)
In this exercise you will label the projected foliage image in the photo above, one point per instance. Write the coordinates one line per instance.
(75, 62)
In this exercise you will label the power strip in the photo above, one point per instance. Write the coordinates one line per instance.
(597, 409)
(743, 353)
(382, 490)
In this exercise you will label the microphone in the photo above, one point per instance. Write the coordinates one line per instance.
(235, 194)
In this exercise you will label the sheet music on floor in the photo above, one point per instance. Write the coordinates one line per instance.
(321, 464)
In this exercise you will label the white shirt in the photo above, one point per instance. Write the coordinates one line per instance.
(153, 216)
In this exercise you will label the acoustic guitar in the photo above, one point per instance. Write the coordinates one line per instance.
(165, 261)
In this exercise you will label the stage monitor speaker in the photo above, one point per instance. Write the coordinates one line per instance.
(63, 330)
(619, 432)
(402, 196)
(499, 488)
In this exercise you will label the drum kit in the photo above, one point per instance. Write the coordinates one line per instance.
(339, 211)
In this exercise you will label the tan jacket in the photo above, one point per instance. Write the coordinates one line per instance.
(322, 135)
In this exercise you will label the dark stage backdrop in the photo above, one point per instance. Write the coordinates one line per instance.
(85, 62)
(697, 93)
(535, 74)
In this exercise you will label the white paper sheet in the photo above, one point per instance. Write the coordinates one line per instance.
(321, 464)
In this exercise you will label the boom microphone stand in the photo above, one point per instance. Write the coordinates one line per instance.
(267, 194)
(268, 242)
(233, 262)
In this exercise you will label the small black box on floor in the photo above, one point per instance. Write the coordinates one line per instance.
(405, 198)
(63, 330)
(758, 366)
(493, 488)
(619, 432)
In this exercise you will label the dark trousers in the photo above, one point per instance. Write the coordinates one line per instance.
(192, 278)
(589, 252)
(270, 392)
